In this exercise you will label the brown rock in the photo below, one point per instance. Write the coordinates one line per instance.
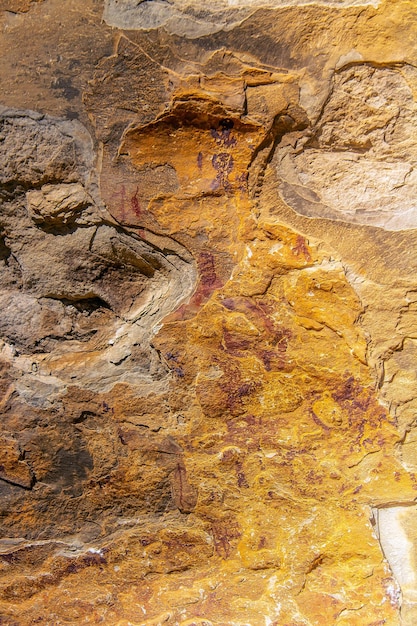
(208, 313)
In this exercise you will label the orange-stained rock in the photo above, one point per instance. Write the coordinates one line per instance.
(208, 313)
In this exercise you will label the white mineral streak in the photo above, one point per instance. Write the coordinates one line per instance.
(399, 550)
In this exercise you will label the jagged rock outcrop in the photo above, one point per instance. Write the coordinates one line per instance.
(208, 313)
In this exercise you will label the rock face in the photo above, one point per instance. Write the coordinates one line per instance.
(208, 290)
(358, 166)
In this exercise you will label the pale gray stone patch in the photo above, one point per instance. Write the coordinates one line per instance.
(391, 525)
(192, 19)
(359, 162)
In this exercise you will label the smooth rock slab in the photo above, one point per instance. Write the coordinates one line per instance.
(192, 19)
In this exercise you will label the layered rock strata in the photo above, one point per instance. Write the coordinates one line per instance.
(208, 329)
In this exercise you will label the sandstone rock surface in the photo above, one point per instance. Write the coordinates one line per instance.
(208, 292)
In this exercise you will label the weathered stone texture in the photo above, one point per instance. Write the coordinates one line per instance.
(208, 313)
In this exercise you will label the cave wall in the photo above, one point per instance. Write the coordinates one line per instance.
(208, 328)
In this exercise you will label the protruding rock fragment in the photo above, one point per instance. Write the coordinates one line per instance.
(57, 203)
